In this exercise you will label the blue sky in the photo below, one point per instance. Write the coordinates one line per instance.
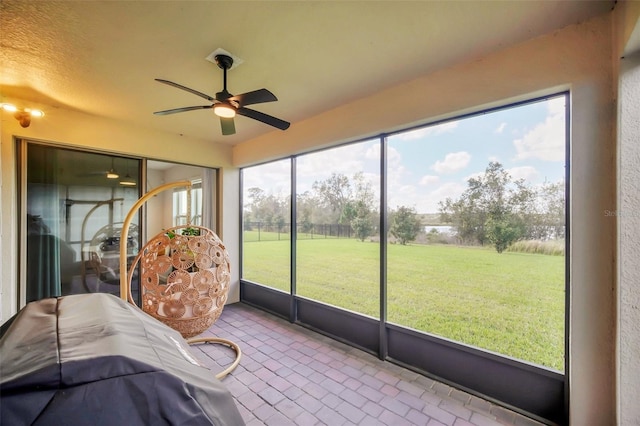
(431, 163)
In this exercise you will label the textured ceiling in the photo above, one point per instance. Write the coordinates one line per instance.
(101, 58)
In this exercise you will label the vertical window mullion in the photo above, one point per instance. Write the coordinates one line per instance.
(383, 351)
(293, 235)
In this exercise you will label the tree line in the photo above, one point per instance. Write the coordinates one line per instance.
(494, 209)
(497, 209)
(335, 200)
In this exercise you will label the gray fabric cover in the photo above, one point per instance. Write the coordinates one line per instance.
(93, 359)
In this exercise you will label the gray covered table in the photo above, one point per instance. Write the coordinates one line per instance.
(93, 359)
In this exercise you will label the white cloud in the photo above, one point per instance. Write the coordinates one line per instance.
(452, 162)
(402, 195)
(396, 171)
(320, 165)
(475, 175)
(448, 190)
(546, 141)
(274, 178)
(500, 128)
(527, 173)
(394, 158)
(556, 106)
(423, 201)
(429, 180)
(346, 160)
(437, 129)
(413, 134)
(373, 152)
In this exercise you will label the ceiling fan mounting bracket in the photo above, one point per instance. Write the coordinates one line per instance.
(224, 61)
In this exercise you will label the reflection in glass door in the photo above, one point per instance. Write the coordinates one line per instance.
(73, 209)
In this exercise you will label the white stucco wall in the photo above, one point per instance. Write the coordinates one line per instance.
(578, 58)
(76, 129)
(629, 242)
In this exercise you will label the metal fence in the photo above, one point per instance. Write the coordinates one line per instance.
(271, 231)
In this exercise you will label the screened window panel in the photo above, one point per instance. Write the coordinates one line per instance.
(338, 248)
(477, 231)
(266, 224)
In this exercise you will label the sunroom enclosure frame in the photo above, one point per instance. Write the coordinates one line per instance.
(535, 391)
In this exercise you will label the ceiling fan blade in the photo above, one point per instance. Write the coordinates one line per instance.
(228, 126)
(183, 109)
(267, 119)
(180, 86)
(256, 97)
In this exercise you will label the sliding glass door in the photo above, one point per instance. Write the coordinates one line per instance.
(73, 204)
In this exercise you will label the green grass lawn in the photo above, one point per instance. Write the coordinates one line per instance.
(509, 303)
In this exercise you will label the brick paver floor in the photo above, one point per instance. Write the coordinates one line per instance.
(289, 375)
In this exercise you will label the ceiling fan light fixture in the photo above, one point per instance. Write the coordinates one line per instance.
(226, 105)
(224, 110)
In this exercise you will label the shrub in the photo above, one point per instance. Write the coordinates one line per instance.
(550, 247)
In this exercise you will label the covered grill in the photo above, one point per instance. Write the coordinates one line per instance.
(93, 359)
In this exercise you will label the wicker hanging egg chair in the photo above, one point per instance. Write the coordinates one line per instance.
(184, 276)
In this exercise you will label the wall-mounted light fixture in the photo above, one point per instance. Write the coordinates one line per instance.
(23, 115)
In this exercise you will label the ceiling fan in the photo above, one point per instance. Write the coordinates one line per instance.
(226, 106)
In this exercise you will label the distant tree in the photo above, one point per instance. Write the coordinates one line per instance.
(405, 224)
(280, 222)
(267, 208)
(434, 237)
(255, 196)
(360, 211)
(247, 223)
(502, 232)
(307, 225)
(467, 217)
(333, 193)
(308, 211)
(494, 208)
(362, 227)
(552, 201)
(349, 201)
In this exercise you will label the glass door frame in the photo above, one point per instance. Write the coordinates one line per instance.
(21, 145)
